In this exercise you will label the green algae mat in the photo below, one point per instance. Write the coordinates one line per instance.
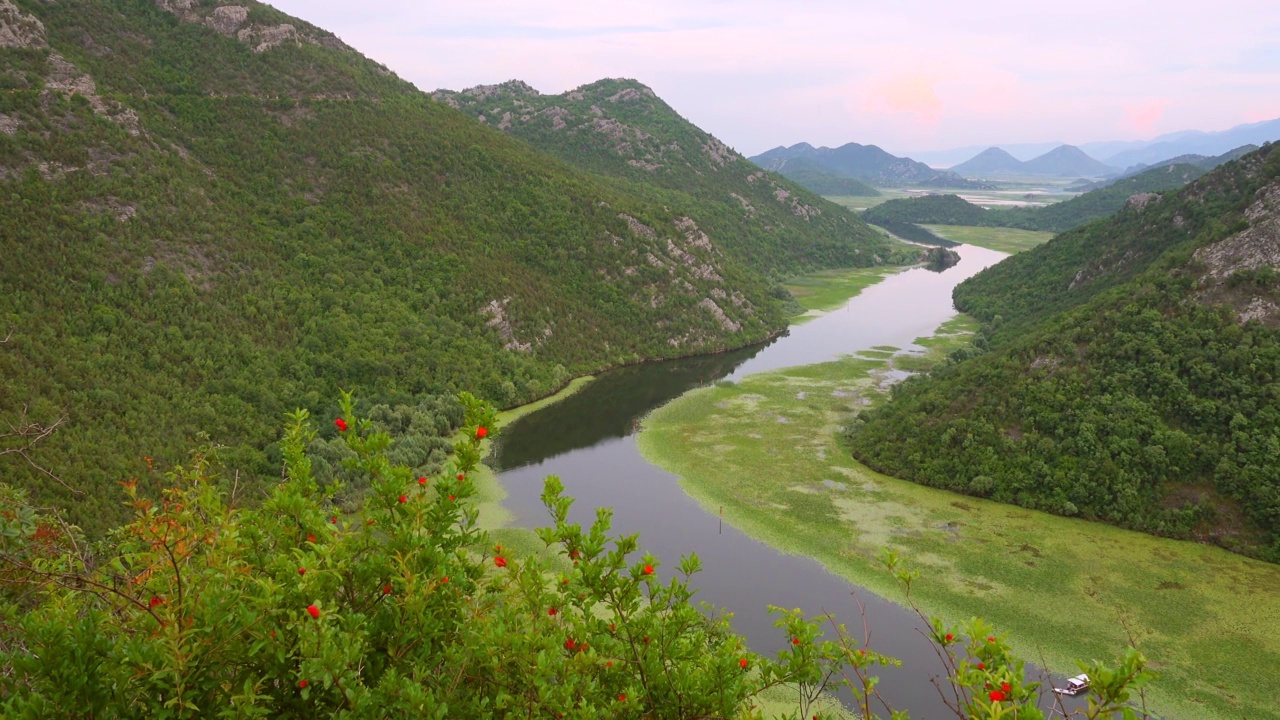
(768, 450)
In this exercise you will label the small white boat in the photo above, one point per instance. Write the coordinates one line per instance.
(1075, 686)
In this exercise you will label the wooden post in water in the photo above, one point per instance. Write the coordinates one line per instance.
(721, 530)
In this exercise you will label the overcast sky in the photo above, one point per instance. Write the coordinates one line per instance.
(903, 74)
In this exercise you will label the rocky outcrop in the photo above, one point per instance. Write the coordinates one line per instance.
(227, 19)
(1234, 268)
(263, 38)
(67, 79)
(630, 94)
(230, 21)
(18, 29)
(725, 321)
(1139, 201)
(638, 227)
(497, 312)
(1253, 248)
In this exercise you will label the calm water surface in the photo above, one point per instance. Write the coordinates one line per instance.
(588, 441)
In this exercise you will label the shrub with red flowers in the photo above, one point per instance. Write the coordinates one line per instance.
(199, 608)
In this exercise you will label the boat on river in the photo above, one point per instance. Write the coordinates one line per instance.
(1075, 686)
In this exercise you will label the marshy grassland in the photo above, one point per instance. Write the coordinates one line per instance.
(768, 450)
(829, 289)
(1006, 240)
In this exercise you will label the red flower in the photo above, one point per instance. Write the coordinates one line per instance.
(950, 637)
(795, 641)
(996, 696)
(646, 638)
(622, 698)
(551, 612)
(481, 432)
(648, 569)
(569, 644)
(386, 589)
(313, 611)
(302, 571)
(500, 561)
(403, 498)
(1004, 687)
(991, 639)
(742, 663)
(452, 498)
(334, 519)
(461, 477)
(342, 424)
(982, 666)
(311, 538)
(608, 663)
(444, 580)
(302, 684)
(422, 481)
(155, 600)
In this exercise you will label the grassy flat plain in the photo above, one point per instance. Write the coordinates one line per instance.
(829, 289)
(1061, 589)
(1007, 240)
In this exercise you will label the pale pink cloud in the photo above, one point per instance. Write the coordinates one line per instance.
(929, 73)
(1264, 111)
(1143, 116)
(912, 95)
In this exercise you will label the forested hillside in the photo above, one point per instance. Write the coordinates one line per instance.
(1129, 374)
(211, 215)
(620, 129)
(810, 174)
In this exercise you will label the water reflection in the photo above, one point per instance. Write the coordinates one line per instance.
(587, 440)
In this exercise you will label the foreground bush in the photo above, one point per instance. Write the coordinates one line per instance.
(295, 608)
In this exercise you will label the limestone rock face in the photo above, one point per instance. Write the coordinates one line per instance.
(18, 29)
(227, 19)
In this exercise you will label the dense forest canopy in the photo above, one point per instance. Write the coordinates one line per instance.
(1127, 372)
(211, 215)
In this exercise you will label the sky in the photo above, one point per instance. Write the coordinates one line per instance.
(902, 74)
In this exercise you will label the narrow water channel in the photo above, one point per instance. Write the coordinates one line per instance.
(588, 441)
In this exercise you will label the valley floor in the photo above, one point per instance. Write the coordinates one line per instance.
(767, 449)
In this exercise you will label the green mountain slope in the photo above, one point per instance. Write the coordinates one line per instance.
(929, 210)
(620, 129)
(810, 174)
(210, 215)
(1130, 372)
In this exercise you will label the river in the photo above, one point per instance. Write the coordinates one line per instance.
(588, 440)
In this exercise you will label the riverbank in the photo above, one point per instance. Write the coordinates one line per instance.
(493, 516)
(767, 451)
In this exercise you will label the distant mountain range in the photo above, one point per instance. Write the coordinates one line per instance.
(1062, 161)
(1126, 153)
(1201, 161)
(867, 163)
(810, 174)
(1199, 143)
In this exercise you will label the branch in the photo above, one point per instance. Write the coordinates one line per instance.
(27, 434)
